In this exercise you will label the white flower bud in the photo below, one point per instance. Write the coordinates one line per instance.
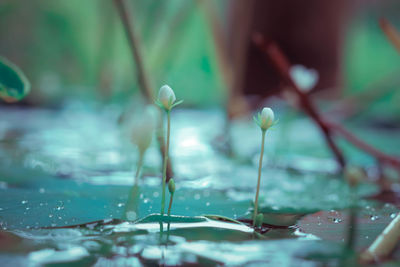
(144, 127)
(166, 97)
(266, 118)
(304, 78)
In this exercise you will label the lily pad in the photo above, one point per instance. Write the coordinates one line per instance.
(309, 194)
(14, 85)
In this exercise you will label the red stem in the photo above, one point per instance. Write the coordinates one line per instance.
(280, 62)
(379, 155)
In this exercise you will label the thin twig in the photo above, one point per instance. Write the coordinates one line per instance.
(171, 40)
(391, 33)
(220, 41)
(281, 64)
(358, 102)
(384, 244)
(379, 155)
(143, 80)
(143, 77)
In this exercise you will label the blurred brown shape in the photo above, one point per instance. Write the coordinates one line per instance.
(391, 33)
(310, 33)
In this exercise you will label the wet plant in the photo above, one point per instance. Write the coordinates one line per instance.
(141, 136)
(264, 119)
(14, 85)
(258, 220)
(166, 101)
(171, 189)
(354, 176)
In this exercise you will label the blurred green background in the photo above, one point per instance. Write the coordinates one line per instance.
(78, 49)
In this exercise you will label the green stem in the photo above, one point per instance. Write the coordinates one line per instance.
(133, 197)
(352, 224)
(170, 204)
(259, 177)
(169, 214)
(139, 167)
(164, 181)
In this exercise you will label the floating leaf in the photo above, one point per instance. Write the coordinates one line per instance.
(14, 85)
(310, 194)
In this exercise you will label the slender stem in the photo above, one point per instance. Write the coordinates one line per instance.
(392, 160)
(259, 177)
(352, 224)
(391, 33)
(134, 44)
(169, 214)
(133, 197)
(164, 181)
(139, 167)
(170, 204)
(279, 60)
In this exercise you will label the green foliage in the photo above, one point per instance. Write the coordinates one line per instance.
(14, 86)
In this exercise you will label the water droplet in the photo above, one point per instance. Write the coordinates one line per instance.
(374, 217)
(51, 215)
(146, 200)
(393, 215)
(24, 201)
(120, 205)
(27, 208)
(59, 207)
(208, 204)
(337, 220)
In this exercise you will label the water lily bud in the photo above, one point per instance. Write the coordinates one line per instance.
(259, 220)
(171, 186)
(353, 175)
(144, 127)
(166, 97)
(265, 119)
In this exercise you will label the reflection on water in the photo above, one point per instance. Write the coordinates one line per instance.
(79, 167)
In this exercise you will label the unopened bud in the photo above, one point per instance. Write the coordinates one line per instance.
(265, 118)
(166, 97)
(171, 186)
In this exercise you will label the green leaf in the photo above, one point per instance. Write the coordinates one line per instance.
(14, 85)
(152, 218)
(177, 103)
